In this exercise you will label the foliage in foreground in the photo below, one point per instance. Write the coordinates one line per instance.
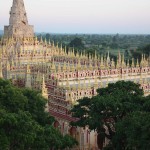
(120, 109)
(24, 124)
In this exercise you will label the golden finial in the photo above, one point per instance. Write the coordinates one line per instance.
(53, 66)
(108, 59)
(49, 42)
(123, 62)
(45, 42)
(142, 61)
(41, 39)
(128, 63)
(67, 85)
(102, 62)
(59, 68)
(79, 64)
(133, 65)
(119, 56)
(95, 65)
(68, 67)
(72, 67)
(90, 65)
(117, 64)
(95, 57)
(137, 63)
(112, 64)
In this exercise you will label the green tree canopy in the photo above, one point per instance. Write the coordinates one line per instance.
(24, 124)
(77, 43)
(141, 50)
(110, 110)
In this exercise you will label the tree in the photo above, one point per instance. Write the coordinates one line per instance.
(146, 49)
(47, 36)
(105, 111)
(77, 43)
(141, 50)
(134, 129)
(24, 124)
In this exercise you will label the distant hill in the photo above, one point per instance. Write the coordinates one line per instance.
(1, 32)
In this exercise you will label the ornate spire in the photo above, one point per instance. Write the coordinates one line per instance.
(95, 56)
(133, 65)
(64, 66)
(45, 42)
(1, 71)
(41, 40)
(18, 22)
(45, 93)
(28, 77)
(112, 64)
(102, 62)
(137, 63)
(90, 65)
(44, 89)
(67, 84)
(53, 68)
(79, 64)
(18, 13)
(72, 67)
(59, 68)
(128, 63)
(119, 56)
(108, 58)
(123, 62)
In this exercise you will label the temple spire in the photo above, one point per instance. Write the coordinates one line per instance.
(18, 13)
(18, 22)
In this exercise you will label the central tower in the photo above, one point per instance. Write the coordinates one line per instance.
(18, 22)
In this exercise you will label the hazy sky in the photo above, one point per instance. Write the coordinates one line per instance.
(84, 16)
